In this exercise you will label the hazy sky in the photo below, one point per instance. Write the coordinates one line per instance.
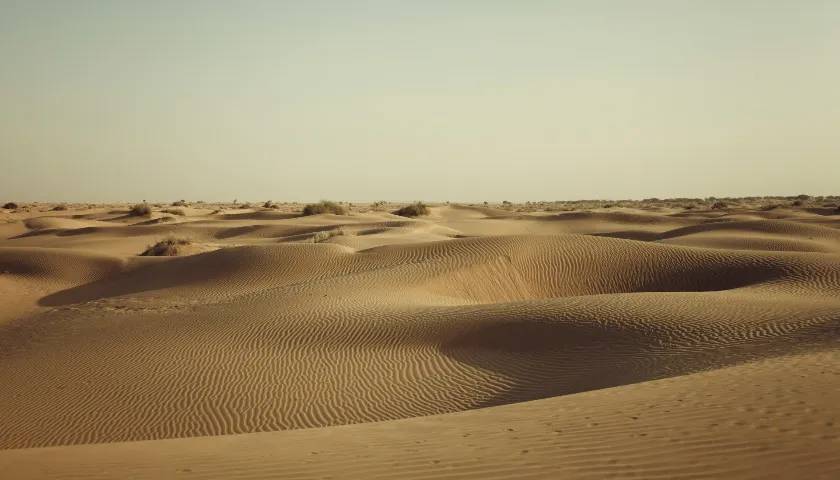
(434, 100)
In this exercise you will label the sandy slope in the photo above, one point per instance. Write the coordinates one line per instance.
(592, 344)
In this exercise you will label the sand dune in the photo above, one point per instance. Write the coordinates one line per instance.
(472, 342)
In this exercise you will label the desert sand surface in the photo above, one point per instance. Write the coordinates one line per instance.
(650, 339)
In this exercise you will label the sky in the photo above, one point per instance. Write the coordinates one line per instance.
(454, 100)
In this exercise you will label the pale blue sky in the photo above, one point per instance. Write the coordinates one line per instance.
(435, 100)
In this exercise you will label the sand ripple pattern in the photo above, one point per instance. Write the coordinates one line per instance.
(289, 336)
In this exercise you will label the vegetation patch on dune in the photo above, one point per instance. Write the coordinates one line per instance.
(140, 210)
(414, 210)
(325, 235)
(324, 206)
(174, 211)
(10, 206)
(168, 247)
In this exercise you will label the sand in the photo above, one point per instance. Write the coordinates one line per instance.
(475, 342)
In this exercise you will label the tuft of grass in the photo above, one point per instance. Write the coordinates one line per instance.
(324, 206)
(180, 203)
(10, 206)
(174, 211)
(413, 210)
(325, 235)
(168, 247)
(140, 210)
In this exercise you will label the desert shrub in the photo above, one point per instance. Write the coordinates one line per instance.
(180, 203)
(803, 197)
(59, 207)
(413, 210)
(174, 211)
(770, 206)
(10, 206)
(324, 206)
(141, 209)
(797, 203)
(719, 205)
(269, 204)
(245, 205)
(325, 235)
(167, 247)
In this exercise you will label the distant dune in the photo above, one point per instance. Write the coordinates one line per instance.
(485, 341)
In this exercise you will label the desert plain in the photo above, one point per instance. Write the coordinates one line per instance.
(672, 339)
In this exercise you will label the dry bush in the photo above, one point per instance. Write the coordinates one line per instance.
(168, 247)
(59, 207)
(325, 235)
(180, 203)
(324, 206)
(719, 205)
(10, 206)
(413, 210)
(140, 210)
(175, 211)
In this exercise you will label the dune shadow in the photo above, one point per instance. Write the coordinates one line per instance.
(165, 274)
(547, 357)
